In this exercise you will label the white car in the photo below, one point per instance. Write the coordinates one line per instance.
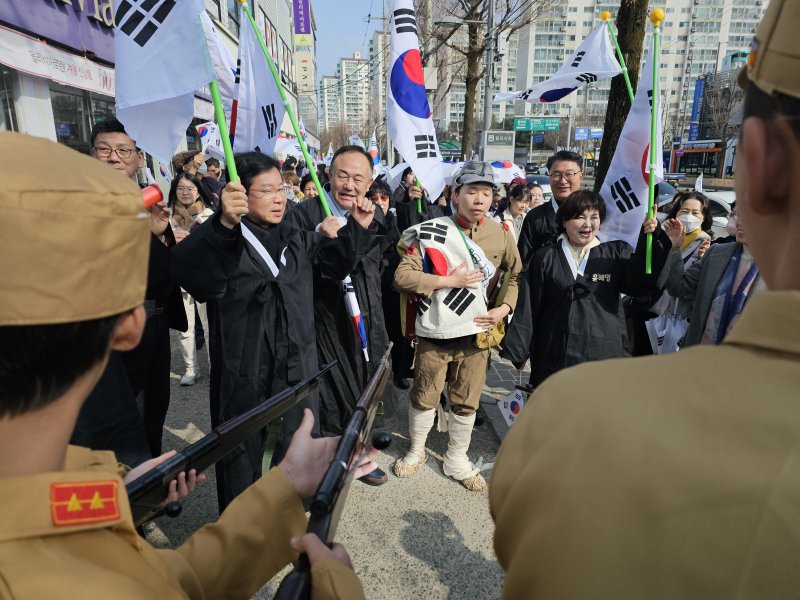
(720, 209)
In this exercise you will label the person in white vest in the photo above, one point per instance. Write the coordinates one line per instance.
(451, 263)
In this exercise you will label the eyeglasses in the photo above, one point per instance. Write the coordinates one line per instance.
(568, 175)
(269, 193)
(186, 190)
(105, 152)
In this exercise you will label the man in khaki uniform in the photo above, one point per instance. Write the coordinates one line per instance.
(73, 262)
(449, 262)
(679, 476)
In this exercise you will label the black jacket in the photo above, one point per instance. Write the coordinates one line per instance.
(539, 229)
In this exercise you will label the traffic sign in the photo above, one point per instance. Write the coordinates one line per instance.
(537, 124)
(596, 134)
(679, 152)
(581, 134)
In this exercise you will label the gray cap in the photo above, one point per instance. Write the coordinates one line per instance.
(474, 171)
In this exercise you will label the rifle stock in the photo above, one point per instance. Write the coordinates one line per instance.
(146, 493)
(328, 501)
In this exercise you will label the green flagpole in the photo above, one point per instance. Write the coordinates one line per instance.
(222, 125)
(605, 16)
(419, 200)
(656, 17)
(292, 118)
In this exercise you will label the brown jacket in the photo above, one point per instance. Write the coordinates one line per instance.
(69, 534)
(662, 477)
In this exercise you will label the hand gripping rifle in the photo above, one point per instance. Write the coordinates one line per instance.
(146, 493)
(328, 502)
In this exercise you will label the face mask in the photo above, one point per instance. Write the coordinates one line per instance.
(690, 223)
(731, 226)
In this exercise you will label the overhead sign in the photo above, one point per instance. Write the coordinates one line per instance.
(303, 36)
(500, 138)
(581, 134)
(596, 134)
(537, 124)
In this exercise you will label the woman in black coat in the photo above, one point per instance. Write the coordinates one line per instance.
(573, 312)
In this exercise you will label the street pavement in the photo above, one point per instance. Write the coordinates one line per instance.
(420, 537)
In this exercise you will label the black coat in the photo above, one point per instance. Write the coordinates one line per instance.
(335, 335)
(539, 229)
(564, 321)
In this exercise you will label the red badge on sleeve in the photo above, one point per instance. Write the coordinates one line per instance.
(84, 502)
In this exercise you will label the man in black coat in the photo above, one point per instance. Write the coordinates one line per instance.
(350, 179)
(260, 271)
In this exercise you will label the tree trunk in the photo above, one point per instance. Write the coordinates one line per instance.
(472, 80)
(631, 20)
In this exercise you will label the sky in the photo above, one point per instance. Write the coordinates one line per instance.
(341, 28)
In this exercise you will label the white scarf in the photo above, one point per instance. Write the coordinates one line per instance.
(577, 259)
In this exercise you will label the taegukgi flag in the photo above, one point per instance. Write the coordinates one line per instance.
(625, 188)
(373, 149)
(592, 61)
(260, 109)
(210, 140)
(161, 58)
(355, 140)
(222, 61)
(329, 156)
(407, 111)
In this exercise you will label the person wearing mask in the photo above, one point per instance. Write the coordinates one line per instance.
(461, 254)
(191, 206)
(573, 312)
(537, 195)
(540, 227)
(673, 476)
(731, 228)
(512, 210)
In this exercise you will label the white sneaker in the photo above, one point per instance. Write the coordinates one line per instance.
(188, 378)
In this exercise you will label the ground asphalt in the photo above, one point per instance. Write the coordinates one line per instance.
(424, 537)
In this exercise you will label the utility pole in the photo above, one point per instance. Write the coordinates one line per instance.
(488, 88)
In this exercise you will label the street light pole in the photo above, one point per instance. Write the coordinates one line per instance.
(487, 82)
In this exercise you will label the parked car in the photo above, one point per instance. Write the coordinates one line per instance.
(540, 179)
(720, 209)
(531, 168)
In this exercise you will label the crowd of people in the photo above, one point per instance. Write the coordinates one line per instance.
(607, 486)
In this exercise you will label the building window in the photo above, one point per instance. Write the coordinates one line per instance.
(214, 9)
(8, 118)
(75, 112)
(233, 17)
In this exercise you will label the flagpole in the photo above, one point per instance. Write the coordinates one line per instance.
(656, 17)
(222, 124)
(605, 16)
(322, 198)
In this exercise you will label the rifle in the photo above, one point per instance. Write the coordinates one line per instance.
(328, 502)
(148, 491)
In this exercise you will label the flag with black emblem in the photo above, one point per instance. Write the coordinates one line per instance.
(407, 110)
(260, 110)
(625, 186)
(592, 61)
(161, 59)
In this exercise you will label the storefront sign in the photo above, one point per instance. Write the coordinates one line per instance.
(500, 138)
(84, 25)
(35, 58)
(303, 36)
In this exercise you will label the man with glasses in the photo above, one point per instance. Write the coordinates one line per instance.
(109, 419)
(350, 179)
(540, 228)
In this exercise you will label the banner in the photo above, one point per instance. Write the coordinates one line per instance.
(303, 36)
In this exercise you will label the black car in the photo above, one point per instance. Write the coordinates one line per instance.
(531, 168)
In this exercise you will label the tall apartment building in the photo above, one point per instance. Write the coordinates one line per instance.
(331, 102)
(353, 74)
(698, 36)
(378, 71)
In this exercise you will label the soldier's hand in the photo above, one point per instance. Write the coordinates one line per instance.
(461, 277)
(159, 218)
(363, 212)
(493, 317)
(312, 546)
(330, 227)
(234, 205)
(179, 488)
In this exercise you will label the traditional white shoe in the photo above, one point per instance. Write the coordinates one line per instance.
(188, 378)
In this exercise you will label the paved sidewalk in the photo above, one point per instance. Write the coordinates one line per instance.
(500, 381)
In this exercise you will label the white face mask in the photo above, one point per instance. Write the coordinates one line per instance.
(690, 223)
(731, 226)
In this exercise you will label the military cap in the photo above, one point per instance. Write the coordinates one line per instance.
(74, 235)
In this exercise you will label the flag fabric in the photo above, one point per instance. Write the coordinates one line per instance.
(506, 171)
(625, 187)
(260, 109)
(511, 406)
(329, 156)
(356, 140)
(222, 61)
(351, 302)
(698, 184)
(288, 147)
(407, 110)
(373, 149)
(592, 61)
(302, 128)
(160, 59)
(210, 140)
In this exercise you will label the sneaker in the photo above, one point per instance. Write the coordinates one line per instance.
(188, 378)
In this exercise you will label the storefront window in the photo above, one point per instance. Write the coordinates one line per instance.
(75, 112)
(8, 118)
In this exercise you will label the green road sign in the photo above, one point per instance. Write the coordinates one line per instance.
(537, 124)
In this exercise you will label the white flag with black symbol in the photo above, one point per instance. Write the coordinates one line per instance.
(161, 58)
(407, 111)
(592, 61)
(222, 61)
(625, 187)
(260, 110)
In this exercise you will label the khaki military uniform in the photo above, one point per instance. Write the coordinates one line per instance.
(663, 477)
(459, 362)
(69, 534)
